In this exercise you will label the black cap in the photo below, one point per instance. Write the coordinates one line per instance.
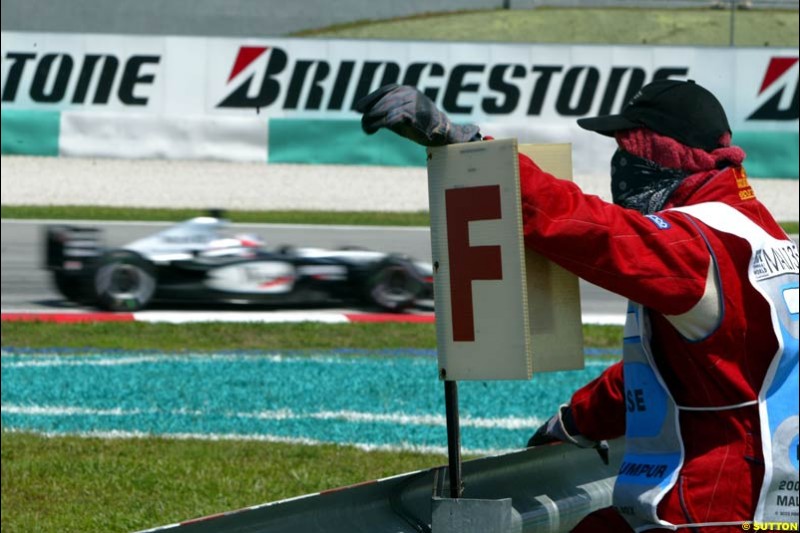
(678, 109)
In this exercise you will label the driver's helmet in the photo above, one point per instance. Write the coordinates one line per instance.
(237, 245)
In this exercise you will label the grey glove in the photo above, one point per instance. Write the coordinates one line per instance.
(561, 428)
(409, 113)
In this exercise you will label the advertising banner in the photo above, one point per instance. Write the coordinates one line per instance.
(531, 91)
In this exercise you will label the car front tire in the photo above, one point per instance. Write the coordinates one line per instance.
(124, 281)
(393, 285)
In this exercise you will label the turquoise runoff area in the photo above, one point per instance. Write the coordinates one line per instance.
(391, 399)
(334, 142)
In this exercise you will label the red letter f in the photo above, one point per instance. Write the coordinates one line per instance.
(468, 263)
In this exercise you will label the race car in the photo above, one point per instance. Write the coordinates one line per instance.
(197, 261)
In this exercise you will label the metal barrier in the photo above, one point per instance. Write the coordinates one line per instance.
(551, 488)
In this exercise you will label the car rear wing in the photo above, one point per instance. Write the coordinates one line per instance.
(71, 248)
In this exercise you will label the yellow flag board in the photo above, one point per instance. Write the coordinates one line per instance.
(502, 312)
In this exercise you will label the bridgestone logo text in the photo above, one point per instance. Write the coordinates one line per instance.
(90, 79)
(498, 89)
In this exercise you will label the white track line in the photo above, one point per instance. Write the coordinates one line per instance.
(511, 423)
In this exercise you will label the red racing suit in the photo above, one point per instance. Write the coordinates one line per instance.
(665, 264)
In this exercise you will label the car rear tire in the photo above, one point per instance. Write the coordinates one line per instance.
(393, 285)
(124, 281)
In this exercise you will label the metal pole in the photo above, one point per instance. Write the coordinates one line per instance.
(453, 437)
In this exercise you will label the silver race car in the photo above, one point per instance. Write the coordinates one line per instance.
(197, 261)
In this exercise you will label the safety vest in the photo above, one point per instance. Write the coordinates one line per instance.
(654, 449)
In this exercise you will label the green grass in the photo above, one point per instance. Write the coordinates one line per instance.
(705, 27)
(790, 227)
(357, 218)
(220, 336)
(73, 484)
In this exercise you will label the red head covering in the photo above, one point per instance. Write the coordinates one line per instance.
(668, 152)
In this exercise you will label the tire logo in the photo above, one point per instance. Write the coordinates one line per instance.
(244, 96)
(771, 109)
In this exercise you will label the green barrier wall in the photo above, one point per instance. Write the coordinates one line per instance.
(338, 142)
(30, 132)
(322, 141)
(769, 154)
